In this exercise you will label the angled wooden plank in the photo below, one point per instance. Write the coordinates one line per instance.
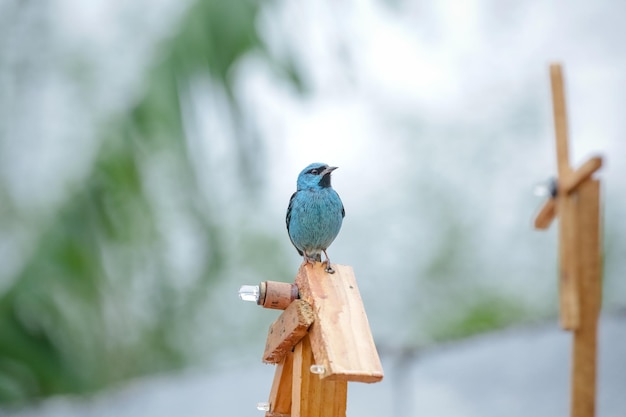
(340, 336)
(281, 392)
(585, 171)
(287, 330)
(546, 214)
(312, 396)
(584, 355)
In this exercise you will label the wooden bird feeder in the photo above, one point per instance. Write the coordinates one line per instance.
(576, 201)
(319, 343)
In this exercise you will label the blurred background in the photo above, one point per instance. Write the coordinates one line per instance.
(148, 150)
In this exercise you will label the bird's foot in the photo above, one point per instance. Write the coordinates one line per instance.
(329, 268)
(308, 260)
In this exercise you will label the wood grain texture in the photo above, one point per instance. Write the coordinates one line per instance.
(281, 392)
(311, 395)
(287, 330)
(584, 356)
(566, 209)
(340, 336)
(580, 255)
(560, 120)
(569, 300)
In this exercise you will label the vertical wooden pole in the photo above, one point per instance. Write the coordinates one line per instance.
(560, 120)
(568, 268)
(580, 273)
(569, 257)
(313, 396)
(584, 355)
(281, 393)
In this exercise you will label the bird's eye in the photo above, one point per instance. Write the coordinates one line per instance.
(314, 171)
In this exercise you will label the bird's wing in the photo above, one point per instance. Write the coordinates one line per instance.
(289, 208)
(288, 220)
(343, 210)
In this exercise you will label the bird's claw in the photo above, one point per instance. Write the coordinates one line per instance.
(308, 260)
(329, 269)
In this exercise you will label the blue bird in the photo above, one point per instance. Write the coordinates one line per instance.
(315, 214)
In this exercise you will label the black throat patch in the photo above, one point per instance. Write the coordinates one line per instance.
(325, 181)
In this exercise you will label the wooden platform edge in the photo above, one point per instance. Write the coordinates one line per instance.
(341, 338)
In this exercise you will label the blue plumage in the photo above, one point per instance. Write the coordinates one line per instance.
(315, 213)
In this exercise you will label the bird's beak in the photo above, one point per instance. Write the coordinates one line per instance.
(328, 170)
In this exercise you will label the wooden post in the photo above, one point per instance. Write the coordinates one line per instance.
(327, 327)
(281, 392)
(590, 288)
(568, 280)
(577, 204)
(313, 396)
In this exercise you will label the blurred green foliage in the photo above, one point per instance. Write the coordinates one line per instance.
(487, 314)
(68, 322)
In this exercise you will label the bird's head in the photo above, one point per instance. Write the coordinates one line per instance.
(316, 175)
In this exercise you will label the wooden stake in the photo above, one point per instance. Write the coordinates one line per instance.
(546, 214)
(590, 284)
(560, 120)
(281, 393)
(577, 204)
(338, 341)
(313, 396)
(565, 206)
(567, 209)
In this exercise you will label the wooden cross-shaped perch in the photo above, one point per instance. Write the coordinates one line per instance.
(576, 201)
(326, 328)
